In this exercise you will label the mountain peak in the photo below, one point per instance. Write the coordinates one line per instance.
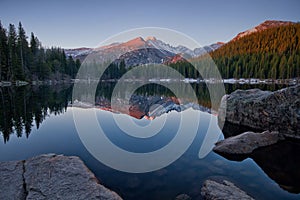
(263, 26)
(272, 23)
(269, 22)
(220, 43)
(137, 39)
(152, 38)
(137, 42)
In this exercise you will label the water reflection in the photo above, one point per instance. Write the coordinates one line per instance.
(21, 107)
(280, 161)
(27, 107)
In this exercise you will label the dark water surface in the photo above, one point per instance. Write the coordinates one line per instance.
(37, 120)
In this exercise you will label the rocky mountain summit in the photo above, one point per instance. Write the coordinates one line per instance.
(140, 48)
(263, 26)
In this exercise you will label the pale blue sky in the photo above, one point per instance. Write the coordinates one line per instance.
(88, 22)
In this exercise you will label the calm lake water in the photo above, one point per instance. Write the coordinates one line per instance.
(39, 119)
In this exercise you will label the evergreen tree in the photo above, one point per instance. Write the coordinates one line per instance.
(282, 67)
(15, 69)
(22, 47)
(4, 70)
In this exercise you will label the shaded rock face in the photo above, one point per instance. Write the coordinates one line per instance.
(245, 143)
(144, 56)
(230, 130)
(225, 190)
(264, 110)
(50, 177)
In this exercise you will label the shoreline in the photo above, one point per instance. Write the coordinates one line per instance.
(51, 176)
(233, 81)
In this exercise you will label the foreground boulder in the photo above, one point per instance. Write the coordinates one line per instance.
(50, 177)
(212, 190)
(246, 143)
(264, 110)
(11, 180)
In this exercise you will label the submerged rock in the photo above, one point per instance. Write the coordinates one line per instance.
(50, 177)
(225, 190)
(264, 110)
(183, 197)
(247, 142)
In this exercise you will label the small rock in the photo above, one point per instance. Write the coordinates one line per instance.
(183, 197)
(212, 190)
(133, 182)
(247, 142)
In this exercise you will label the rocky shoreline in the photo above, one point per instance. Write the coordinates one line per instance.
(50, 176)
(264, 126)
(275, 114)
(263, 110)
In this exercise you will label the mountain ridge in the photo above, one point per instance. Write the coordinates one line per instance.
(152, 50)
(261, 27)
(139, 43)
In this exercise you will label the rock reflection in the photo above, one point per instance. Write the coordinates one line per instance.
(280, 161)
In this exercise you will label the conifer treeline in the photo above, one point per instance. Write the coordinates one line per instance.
(273, 53)
(21, 59)
(23, 107)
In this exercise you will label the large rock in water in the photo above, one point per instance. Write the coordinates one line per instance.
(264, 110)
(50, 177)
(212, 190)
(246, 143)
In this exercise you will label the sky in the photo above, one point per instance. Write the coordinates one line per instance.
(86, 23)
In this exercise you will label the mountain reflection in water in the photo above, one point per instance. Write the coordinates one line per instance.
(24, 109)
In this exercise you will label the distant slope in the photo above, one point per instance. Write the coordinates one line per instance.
(263, 26)
(272, 51)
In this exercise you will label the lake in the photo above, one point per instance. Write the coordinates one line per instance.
(39, 119)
